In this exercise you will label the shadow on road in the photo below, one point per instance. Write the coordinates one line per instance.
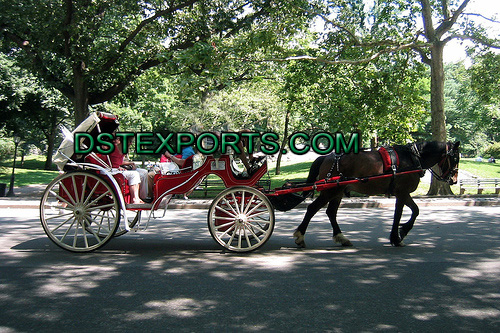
(173, 276)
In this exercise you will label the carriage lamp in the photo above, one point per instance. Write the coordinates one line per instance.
(12, 177)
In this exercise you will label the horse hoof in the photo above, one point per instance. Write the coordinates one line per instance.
(400, 244)
(299, 238)
(340, 238)
(402, 233)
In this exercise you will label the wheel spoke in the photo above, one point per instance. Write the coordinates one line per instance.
(226, 212)
(75, 189)
(98, 198)
(62, 223)
(92, 230)
(255, 207)
(227, 203)
(236, 206)
(225, 225)
(73, 202)
(84, 186)
(233, 227)
(103, 206)
(61, 199)
(86, 203)
(249, 204)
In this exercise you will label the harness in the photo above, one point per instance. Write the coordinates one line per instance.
(335, 165)
(390, 159)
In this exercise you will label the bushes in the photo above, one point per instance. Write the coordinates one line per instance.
(6, 148)
(493, 150)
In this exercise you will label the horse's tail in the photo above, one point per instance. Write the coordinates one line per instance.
(313, 173)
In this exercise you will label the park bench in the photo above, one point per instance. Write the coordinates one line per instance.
(216, 185)
(480, 184)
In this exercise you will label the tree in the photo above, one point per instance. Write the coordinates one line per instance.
(357, 36)
(91, 50)
(34, 112)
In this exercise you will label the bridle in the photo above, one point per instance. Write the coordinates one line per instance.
(450, 160)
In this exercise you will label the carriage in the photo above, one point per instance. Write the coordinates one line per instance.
(87, 204)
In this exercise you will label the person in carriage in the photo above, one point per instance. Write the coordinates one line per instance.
(183, 160)
(140, 185)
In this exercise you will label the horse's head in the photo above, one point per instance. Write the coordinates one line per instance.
(449, 163)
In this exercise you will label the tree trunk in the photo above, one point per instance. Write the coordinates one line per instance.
(438, 118)
(50, 150)
(81, 96)
(285, 137)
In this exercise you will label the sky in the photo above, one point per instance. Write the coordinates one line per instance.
(454, 51)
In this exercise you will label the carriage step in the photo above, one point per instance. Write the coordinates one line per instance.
(139, 206)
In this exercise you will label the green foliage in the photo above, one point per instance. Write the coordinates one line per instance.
(485, 78)
(92, 50)
(6, 148)
(469, 119)
(493, 150)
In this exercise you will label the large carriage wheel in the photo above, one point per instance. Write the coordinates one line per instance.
(241, 219)
(79, 211)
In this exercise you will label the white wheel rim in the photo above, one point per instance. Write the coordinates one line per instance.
(79, 211)
(241, 219)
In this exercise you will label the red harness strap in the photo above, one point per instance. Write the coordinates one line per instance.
(390, 159)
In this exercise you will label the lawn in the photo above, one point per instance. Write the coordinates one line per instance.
(30, 173)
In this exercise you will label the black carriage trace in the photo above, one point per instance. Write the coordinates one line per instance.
(208, 143)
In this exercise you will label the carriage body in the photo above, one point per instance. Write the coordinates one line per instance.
(88, 204)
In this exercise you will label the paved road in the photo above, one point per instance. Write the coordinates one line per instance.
(173, 277)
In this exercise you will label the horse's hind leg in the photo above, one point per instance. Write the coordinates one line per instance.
(405, 228)
(331, 211)
(312, 209)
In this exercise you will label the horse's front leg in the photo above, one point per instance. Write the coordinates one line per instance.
(405, 228)
(394, 237)
(331, 211)
(312, 209)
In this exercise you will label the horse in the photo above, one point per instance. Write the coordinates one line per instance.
(366, 171)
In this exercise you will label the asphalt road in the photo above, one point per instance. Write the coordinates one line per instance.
(173, 277)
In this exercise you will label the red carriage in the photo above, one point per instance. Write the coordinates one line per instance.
(87, 205)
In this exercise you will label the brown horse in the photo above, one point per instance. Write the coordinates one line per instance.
(362, 166)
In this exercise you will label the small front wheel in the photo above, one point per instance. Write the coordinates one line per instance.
(79, 211)
(241, 219)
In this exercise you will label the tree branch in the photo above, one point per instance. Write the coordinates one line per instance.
(446, 25)
(138, 29)
(495, 44)
(345, 61)
(118, 87)
(483, 17)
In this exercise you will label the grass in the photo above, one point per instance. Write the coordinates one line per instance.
(29, 174)
(32, 173)
(480, 169)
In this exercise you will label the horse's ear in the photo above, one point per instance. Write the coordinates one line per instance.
(456, 145)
